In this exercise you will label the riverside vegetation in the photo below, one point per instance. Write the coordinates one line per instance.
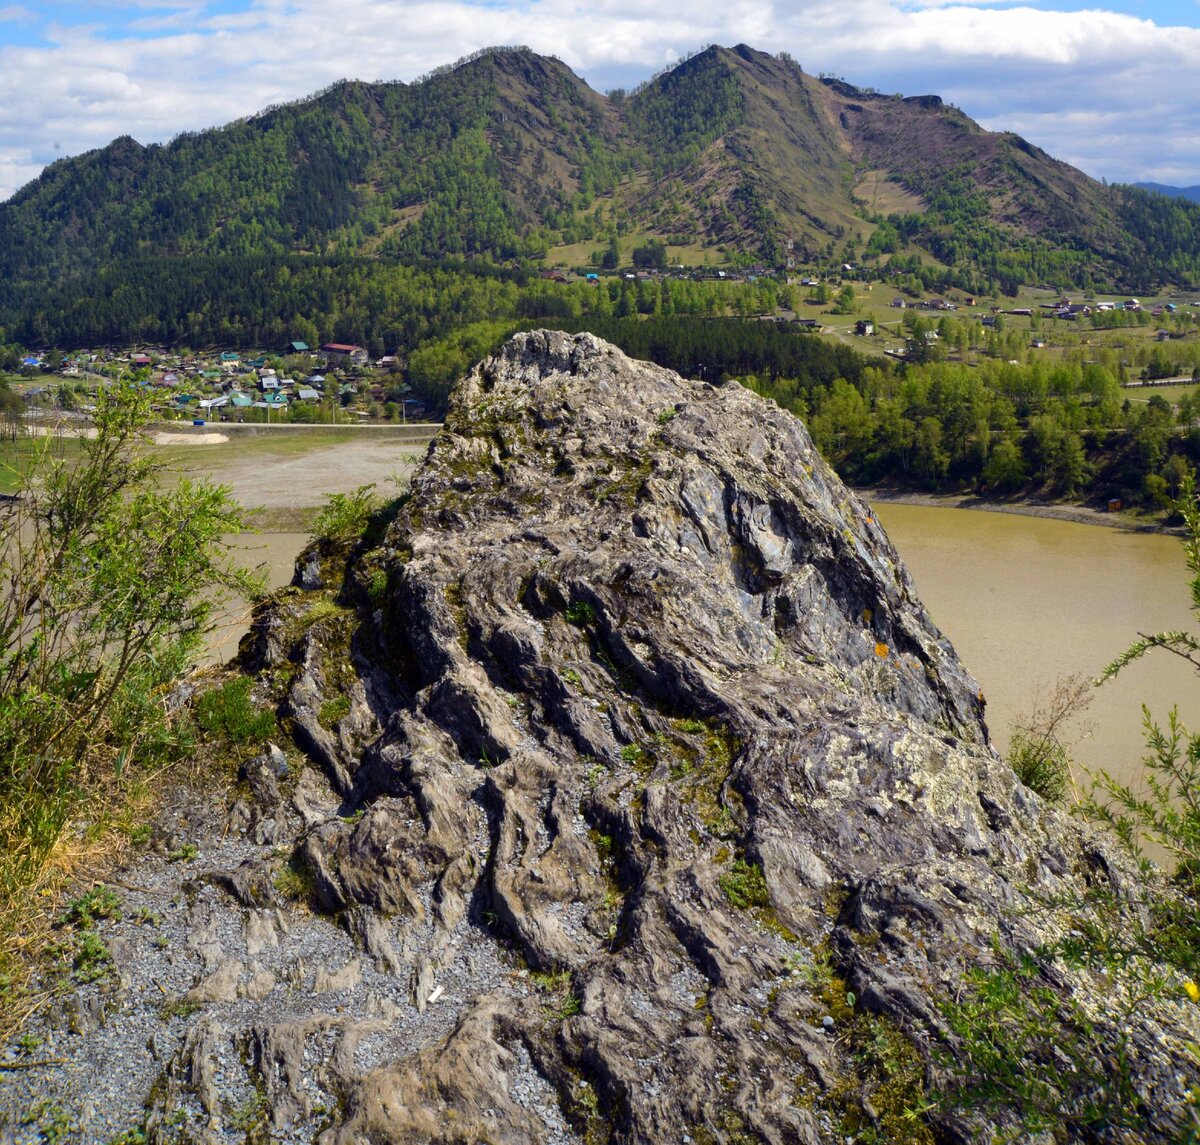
(1010, 1015)
(630, 692)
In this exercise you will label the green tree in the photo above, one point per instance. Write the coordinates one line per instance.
(1005, 470)
(111, 581)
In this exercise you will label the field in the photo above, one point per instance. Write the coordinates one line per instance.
(1059, 338)
(1171, 394)
(282, 478)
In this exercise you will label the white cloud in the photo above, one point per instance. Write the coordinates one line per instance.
(1090, 87)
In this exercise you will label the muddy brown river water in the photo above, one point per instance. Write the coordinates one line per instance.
(1026, 601)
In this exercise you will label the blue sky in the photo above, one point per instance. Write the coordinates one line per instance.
(1108, 86)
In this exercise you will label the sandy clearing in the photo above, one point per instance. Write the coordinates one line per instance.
(264, 479)
(189, 438)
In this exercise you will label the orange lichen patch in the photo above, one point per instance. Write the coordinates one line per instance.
(870, 520)
(881, 650)
(867, 614)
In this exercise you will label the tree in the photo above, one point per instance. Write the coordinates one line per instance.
(611, 259)
(111, 582)
(845, 303)
(1005, 470)
(652, 254)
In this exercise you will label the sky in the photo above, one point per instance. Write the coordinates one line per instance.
(1109, 86)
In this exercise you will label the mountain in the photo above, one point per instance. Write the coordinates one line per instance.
(508, 155)
(1190, 193)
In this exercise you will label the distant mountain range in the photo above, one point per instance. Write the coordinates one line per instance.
(1192, 193)
(732, 155)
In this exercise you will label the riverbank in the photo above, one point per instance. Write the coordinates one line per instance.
(1020, 506)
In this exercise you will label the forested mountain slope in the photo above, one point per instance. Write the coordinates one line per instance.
(510, 155)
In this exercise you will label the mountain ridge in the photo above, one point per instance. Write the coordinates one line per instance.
(1191, 193)
(733, 154)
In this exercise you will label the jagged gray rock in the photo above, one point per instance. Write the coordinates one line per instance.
(647, 755)
(644, 642)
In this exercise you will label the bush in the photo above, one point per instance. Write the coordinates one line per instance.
(1037, 751)
(111, 582)
(346, 515)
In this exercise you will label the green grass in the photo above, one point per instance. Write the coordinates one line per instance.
(745, 886)
(229, 713)
(16, 456)
(1171, 394)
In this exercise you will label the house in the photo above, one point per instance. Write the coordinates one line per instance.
(343, 351)
(214, 403)
(274, 400)
(296, 348)
(388, 362)
(308, 394)
(139, 360)
(864, 327)
(269, 382)
(899, 303)
(230, 357)
(240, 400)
(315, 380)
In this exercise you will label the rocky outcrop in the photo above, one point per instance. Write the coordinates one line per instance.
(650, 785)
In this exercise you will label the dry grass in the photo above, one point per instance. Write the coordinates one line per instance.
(883, 196)
(87, 853)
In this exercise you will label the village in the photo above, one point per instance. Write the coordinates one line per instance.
(335, 383)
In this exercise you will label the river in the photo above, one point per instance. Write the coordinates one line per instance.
(1025, 601)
